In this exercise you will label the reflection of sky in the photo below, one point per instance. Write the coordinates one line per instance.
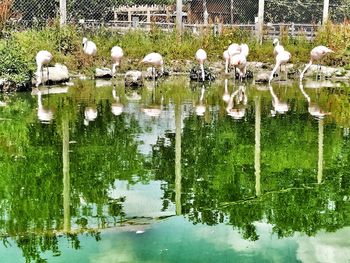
(152, 127)
(142, 200)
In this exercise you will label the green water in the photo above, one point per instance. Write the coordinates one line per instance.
(173, 173)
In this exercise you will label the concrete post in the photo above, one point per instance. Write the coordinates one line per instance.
(179, 16)
(260, 20)
(63, 12)
(325, 11)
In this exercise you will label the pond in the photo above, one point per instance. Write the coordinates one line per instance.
(177, 172)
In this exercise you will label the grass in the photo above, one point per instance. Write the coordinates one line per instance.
(66, 45)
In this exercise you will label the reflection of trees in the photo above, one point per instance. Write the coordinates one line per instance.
(33, 209)
(218, 164)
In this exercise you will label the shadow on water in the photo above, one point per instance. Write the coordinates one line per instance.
(148, 172)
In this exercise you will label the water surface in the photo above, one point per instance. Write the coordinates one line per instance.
(180, 172)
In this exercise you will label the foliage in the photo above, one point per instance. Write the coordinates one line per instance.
(13, 66)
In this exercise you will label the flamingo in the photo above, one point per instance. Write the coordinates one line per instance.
(244, 50)
(237, 111)
(155, 60)
(226, 96)
(117, 107)
(45, 115)
(116, 55)
(234, 49)
(282, 58)
(154, 110)
(201, 56)
(280, 107)
(313, 108)
(226, 56)
(43, 58)
(316, 54)
(200, 109)
(278, 48)
(90, 114)
(239, 61)
(89, 47)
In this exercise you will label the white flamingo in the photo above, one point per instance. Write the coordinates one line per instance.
(43, 58)
(89, 47)
(155, 60)
(278, 48)
(316, 54)
(201, 56)
(282, 58)
(116, 55)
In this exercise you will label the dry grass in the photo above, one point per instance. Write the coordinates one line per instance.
(5, 12)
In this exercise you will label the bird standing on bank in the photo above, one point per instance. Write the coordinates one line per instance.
(156, 61)
(282, 58)
(43, 58)
(278, 48)
(201, 56)
(89, 47)
(316, 54)
(116, 55)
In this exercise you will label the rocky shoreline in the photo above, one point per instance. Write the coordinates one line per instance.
(259, 71)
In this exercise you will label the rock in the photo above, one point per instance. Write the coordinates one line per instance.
(103, 73)
(158, 74)
(255, 64)
(10, 86)
(327, 72)
(262, 77)
(196, 74)
(133, 78)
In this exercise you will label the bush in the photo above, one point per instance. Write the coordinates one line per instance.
(13, 66)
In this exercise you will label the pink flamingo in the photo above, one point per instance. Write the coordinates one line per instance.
(155, 60)
(226, 56)
(201, 56)
(316, 54)
(116, 55)
(239, 62)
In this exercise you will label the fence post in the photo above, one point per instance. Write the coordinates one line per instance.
(63, 13)
(260, 20)
(325, 11)
(179, 16)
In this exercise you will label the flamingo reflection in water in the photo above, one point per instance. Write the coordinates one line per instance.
(200, 108)
(237, 103)
(154, 109)
(117, 107)
(226, 96)
(90, 114)
(278, 105)
(45, 114)
(313, 108)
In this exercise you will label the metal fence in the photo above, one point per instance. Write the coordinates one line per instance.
(137, 13)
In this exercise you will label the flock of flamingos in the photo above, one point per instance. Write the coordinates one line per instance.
(235, 57)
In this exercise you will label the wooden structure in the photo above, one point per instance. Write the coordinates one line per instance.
(144, 13)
